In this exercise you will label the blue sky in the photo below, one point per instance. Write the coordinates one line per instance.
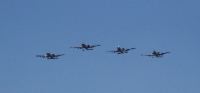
(31, 27)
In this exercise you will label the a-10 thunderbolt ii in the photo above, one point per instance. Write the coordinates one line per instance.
(120, 50)
(157, 54)
(50, 55)
(86, 47)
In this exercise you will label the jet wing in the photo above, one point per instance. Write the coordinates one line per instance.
(164, 53)
(89, 49)
(149, 55)
(113, 51)
(92, 46)
(77, 47)
(42, 56)
(117, 52)
(130, 49)
(59, 55)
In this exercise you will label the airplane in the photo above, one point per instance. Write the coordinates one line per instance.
(120, 50)
(157, 54)
(86, 47)
(50, 55)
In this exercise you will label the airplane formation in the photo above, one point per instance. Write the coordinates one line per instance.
(118, 50)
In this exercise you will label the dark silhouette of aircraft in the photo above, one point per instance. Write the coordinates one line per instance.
(50, 55)
(86, 47)
(157, 54)
(120, 50)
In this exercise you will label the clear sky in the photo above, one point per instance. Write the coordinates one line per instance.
(31, 27)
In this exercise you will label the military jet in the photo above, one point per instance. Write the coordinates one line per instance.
(86, 47)
(50, 55)
(157, 54)
(120, 50)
